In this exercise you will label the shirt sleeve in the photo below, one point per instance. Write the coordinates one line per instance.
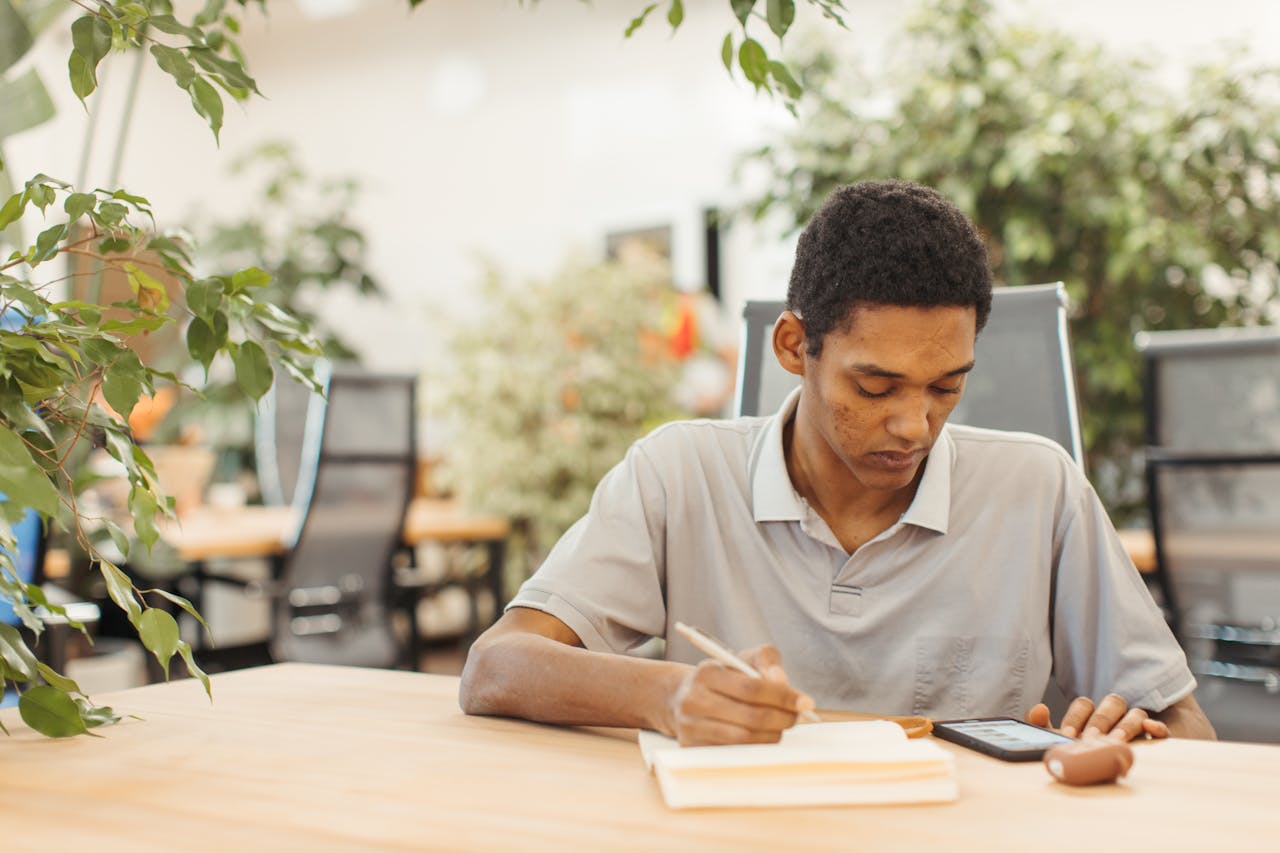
(605, 577)
(1108, 634)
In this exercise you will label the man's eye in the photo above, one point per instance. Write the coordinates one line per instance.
(938, 389)
(873, 394)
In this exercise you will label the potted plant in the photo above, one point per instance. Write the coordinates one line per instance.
(68, 377)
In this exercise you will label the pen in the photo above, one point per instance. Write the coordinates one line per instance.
(704, 642)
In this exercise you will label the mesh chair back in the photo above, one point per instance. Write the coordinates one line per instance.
(336, 579)
(1023, 379)
(1213, 482)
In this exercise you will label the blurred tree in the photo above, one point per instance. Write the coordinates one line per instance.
(1156, 207)
(550, 387)
(299, 229)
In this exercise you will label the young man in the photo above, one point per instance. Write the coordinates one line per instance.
(896, 564)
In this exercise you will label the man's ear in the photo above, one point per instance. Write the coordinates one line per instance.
(789, 343)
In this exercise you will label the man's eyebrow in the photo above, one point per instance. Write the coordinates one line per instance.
(876, 370)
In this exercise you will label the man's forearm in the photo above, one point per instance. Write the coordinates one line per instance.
(537, 678)
(1186, 719)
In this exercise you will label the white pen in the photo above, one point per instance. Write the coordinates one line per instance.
(704, 642)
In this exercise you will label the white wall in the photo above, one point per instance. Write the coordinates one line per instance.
(480, 127)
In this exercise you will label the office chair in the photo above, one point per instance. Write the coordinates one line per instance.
(1212, 407)
(1023, 379)
(333, 599)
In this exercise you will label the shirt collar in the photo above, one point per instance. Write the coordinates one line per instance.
(774, 497)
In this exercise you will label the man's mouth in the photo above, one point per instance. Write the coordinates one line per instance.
(895, 460)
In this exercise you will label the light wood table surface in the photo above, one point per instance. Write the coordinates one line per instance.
(312, 758)
(207, 532)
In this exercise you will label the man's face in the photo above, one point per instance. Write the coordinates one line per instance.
(877, 396)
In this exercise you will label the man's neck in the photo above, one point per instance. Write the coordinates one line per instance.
(855, 513)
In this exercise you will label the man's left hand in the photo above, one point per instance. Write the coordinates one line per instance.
(1111, 717)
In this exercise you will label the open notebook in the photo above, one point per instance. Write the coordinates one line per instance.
(817, 764)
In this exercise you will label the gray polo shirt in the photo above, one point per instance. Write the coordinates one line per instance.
(1004, 572)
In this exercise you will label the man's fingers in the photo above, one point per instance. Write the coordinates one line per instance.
(1077, 714)
(1038, 715)
(768, 662)
(1130, 726)
(754, 704)
(1109, 712)
(1155, 728)
(701, 731)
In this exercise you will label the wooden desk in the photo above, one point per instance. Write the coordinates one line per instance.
(310, 758)
(206, 532)
(1243, 550)
(232, 533)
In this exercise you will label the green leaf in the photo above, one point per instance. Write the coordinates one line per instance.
(109, 213)
(57, 680)
(118, 538)
(159, 633)
(742, 8)
(781, 13)
(47, 244)
(675, 14)
(24, 102)
(120, 589)
(25, 482)
(201, 342)
(249, 277)
(81, 76)
(122, 382)
(253, 369)
(96, 715)
(208, 103)
(16, 656)
(111, 245)
(187, 606)
(171, 25)
(135, 325)
(12, 209)
(231, 72)
(754, 63)
(189, 659)
(144, 506)
(782, 74)
(15, 37)
(174, 63)
(50, 712)
(90, 42)
(22, 418)
(726, 53)
(203, 298)
(638, 21)
(78, 204)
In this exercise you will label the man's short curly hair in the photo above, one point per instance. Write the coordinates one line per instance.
(885, 243)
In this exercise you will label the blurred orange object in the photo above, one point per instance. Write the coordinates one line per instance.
(150, 411)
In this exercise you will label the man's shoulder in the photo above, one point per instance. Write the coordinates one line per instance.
(702, 433)
(700, 448)
(997, 456)
(983, 443)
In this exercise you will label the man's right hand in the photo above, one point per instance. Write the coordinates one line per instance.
(715, 704)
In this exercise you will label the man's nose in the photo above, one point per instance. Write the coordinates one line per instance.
(909, 420)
